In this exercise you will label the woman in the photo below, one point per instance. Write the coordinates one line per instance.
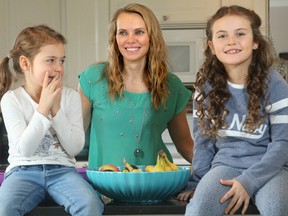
(132, 99)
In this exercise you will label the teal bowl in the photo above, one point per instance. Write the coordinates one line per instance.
(139, 186)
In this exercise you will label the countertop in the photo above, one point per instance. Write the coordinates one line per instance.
(167, 207)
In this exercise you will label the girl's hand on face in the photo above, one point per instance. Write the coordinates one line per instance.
(185, 195)
(50, 95)
(238, 195)
(56, 105)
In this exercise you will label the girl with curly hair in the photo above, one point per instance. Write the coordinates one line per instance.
(240, 122)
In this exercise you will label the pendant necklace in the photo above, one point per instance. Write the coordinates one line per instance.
(138, 152)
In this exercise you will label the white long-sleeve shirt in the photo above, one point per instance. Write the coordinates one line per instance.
(33, 138)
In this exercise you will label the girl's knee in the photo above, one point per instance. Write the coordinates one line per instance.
(9, 210)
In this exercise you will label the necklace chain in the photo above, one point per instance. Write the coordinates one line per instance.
(138, 151)
(138, 136)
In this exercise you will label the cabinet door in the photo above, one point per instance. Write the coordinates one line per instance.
(16, 15)
(80, 28)
(172, 11)
(261, 7)
(14, 18)
(75, 20)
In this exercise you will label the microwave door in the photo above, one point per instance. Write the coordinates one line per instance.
(185, 52)
(181, 61)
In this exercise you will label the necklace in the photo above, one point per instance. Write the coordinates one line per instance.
(138, 152)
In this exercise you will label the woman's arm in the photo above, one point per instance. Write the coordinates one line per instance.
(180, 134)
(86, 108)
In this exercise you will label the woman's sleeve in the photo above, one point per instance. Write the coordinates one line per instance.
(89, 77)
(84, 83)
(182, 94)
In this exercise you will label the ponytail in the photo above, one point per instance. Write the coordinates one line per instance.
(6, 76)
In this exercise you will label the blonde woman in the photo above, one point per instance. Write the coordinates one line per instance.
(129, 101)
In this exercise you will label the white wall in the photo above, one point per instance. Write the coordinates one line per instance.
(279, 25)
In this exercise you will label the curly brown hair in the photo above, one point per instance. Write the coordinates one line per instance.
(156, 64)
(211, 109)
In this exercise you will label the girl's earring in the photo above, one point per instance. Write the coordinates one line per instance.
(255, 46)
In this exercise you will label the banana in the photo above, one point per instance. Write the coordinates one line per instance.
(172, 166)
(149, 168)
(160, 164)
(130, 168)
(167, 167)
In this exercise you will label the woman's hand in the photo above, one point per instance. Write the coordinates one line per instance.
(185, 195)
(238, 195)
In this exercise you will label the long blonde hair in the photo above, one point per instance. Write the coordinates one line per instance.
(156, 64)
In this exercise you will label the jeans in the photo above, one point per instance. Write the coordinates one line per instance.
(271, 199)
(25, 187)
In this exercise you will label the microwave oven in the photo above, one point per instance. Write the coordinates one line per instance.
(185, 52)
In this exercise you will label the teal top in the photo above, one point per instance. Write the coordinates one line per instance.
(115, 124)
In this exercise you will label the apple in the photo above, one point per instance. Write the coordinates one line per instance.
(109, 167)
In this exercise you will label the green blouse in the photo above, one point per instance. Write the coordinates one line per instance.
(115, 124)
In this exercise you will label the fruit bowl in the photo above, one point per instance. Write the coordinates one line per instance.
(139, 186)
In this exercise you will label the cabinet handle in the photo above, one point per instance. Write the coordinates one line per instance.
(164, 18)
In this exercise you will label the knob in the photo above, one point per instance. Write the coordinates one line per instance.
(164, 18)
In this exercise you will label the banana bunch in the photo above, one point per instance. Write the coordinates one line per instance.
(162, 164)
(130, 168)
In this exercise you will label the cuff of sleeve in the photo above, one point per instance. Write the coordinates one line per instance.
(247, 183)
(190, 186)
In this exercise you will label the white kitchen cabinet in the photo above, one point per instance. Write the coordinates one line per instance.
(171, 11)
(85, 25)
(80, 30)
(261, 7)
(16, 15)
(75, 20)
(194, 11)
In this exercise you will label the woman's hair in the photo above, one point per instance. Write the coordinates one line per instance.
(211, 106)
(156, 61)
(28, 44)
